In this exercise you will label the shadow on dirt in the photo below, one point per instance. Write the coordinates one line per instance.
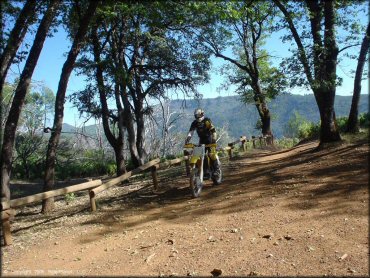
(306, 177)
(302, 177)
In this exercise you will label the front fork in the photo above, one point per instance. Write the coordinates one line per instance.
(197, 161)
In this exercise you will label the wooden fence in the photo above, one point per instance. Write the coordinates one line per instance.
(96, 186)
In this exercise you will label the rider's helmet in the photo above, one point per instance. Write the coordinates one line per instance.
(199, 114)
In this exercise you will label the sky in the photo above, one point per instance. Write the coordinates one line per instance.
(53, 56)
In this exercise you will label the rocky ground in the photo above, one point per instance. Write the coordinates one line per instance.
(298, 212)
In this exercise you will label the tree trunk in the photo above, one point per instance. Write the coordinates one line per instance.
(325, 61)
(266, 122)
(262, 109)
(328, 129)
(19, 97)
(140, 129)
(120, 160)
(131, 135)
(116, 143)
(326, 92)
(48, 204)
(352, 125)
(15, 38)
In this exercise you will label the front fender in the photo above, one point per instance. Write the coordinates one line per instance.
(194, 159)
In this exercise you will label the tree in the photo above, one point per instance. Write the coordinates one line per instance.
(38, 107)
(10, 44)
(141, 56)
(29, 138)
(168, 120)
(28, 149)
(317, 52)
(353, 124)
(15, 38)
(6, 101)
(79, 38)
(19, 97)
(244, 25)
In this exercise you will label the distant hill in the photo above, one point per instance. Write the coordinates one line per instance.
(241, 118)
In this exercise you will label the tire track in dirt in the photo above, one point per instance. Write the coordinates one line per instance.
(294, 212)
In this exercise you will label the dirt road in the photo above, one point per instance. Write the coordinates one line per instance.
(298, 212)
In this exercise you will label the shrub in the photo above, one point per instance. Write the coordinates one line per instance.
(308, 130)
(364, 120)
(286, 143)
(342, 123)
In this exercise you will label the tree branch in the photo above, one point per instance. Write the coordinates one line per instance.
(301, 50)
(349, 46)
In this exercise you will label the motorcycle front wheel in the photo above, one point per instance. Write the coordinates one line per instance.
(195, 183)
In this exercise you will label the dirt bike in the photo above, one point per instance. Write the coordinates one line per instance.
(196, 161)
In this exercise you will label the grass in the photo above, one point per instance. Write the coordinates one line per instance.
(360, 136)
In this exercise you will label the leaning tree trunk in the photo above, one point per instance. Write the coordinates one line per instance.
(19, 97)
(15, 39)
(353, 125)
(48, 204)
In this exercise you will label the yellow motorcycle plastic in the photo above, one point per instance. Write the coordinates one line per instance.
(196, 162)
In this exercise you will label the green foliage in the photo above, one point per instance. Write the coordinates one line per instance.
(111, 168)
(91, 163)
(30, 150)
(364, 120)
(286, 143)
(293, 126)
(342, 123)
(38, 109)
(309, 130)
(69, 197)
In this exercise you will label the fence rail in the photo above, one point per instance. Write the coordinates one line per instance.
(97, 186)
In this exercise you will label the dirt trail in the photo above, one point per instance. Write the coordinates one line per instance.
(291, 213)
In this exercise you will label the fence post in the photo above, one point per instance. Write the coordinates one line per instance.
(244, 141)
(270, 139)
(254, 141)
(155, 176)
(230, 151)
(92, 200)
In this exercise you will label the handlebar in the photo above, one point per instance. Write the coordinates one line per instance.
(190, 145)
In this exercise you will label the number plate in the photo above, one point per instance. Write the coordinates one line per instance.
(199, 151)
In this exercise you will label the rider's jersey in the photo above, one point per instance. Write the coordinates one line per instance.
(204, 130)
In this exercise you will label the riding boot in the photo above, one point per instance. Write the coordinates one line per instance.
(216, 164)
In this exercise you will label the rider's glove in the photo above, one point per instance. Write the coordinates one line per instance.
(187, 140)
(214, 137)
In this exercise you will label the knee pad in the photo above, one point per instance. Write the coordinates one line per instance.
(213, 154)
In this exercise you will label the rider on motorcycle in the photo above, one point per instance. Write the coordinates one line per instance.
(207, 135)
